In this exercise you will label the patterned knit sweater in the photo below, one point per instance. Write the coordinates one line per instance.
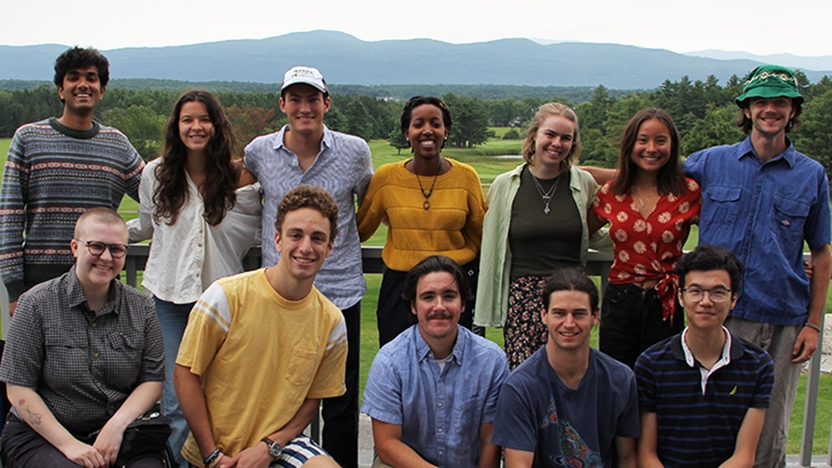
(53, 174)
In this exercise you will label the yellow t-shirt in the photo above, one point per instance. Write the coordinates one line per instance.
(259, 357)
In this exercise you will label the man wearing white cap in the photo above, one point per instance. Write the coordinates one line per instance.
(306, 152)
(762, 200)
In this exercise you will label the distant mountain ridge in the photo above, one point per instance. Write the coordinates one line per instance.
(345, 59)
(789, 60)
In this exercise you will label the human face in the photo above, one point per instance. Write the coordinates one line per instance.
(653, 145)
(569, 320)
(707, 314)
(305, 107)
(95, 272)
(427, 131)
(553, 142)
(195, 126)
(81, 91)
(770, 117)
(438, 305)
(303, 242)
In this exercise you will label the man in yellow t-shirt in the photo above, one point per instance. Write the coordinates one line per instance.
(262, 348)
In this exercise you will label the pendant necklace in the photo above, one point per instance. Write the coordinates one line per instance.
(641, 201)
(547, 194)
(426, 204)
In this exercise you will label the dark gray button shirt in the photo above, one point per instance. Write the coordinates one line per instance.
(83, 364)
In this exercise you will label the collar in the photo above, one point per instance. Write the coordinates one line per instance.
(574, 182)
(75, 133)
(326, 142)
(423, 350)
(729, 351)
(746, 149)
(76, 297)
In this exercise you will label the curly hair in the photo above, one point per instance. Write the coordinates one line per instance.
(221, 175)
(671, 176)
(75, 58)
(307, 196)
(546, 110)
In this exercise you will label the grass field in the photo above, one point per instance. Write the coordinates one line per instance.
(488, 167)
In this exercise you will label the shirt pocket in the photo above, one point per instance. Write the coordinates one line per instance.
(789, 218)
(301, 367)
(65, 355)
(724, 204)
(121, 361)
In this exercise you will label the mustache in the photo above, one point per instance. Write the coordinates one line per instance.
(440, 315)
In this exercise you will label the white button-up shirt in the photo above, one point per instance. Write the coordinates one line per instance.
(186, 257)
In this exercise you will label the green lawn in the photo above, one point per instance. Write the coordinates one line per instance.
(481, 158)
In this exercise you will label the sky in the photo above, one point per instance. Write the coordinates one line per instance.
(762, 27)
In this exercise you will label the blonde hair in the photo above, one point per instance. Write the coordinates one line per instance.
(546, 110)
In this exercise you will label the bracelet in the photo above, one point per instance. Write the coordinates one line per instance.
(812, 326)
(211, 458)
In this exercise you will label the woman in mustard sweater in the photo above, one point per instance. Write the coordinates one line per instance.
(432, 206)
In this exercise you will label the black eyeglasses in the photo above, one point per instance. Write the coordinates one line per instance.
(97, 248)
(719, 294)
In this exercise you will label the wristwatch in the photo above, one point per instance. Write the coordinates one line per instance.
(274, 447)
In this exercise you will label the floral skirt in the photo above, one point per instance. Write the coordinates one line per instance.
(524, 330)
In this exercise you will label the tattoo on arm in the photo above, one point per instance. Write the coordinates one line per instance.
(34, 418)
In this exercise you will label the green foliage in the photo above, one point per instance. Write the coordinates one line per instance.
(814, 137)
(142, 126)
(512, 134)
(716, 128)
(470, 123)
(398, 141)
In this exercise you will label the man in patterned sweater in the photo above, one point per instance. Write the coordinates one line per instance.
(55, 170)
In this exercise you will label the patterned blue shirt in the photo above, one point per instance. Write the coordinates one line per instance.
(763, 213)
(440, 412)
(344, 168)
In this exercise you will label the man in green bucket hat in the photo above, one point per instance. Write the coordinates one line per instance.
(762, 199)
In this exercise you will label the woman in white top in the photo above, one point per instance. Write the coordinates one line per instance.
(202, 210)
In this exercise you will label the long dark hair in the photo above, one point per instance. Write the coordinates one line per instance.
(221, 175)
(670, 178)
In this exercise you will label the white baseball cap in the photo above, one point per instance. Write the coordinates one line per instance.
(305, 75)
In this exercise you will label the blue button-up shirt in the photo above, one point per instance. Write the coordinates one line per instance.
(763, 213)
(440, 412)
(344, 168)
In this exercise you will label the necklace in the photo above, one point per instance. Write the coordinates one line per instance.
(546, 195)
(426, 204)
(641, 201)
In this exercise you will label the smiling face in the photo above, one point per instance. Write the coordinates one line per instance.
(95, 272)
(195, 126)
(305, 107)
(707, 314)
(303, 242)
(553, 142)
(770, 117)
(569, 320)
(437, 306)
(653, 146)
(81, 91)
(427, 131)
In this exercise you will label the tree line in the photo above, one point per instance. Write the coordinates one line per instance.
(703, 111)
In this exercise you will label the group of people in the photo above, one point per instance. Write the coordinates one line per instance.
(243, 360)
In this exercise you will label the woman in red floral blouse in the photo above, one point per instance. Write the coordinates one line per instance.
(650, 206)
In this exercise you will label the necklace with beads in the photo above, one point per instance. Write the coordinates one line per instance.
(546, 195)
(426, 203)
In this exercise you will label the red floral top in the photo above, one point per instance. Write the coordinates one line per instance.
(647, 248)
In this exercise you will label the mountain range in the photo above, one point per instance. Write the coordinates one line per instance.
(345, 59)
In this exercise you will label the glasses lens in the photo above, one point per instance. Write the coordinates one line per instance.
(96, 248)
(117, 251)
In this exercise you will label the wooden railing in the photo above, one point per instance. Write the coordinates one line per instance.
(598, 264)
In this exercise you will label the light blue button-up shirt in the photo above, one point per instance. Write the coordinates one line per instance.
(344, 168)
(763, 213)
(440, 412)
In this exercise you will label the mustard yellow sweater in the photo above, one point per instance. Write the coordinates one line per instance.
(451, 227)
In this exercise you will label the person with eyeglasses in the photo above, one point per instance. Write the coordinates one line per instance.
(706, 383)
(84, 353)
